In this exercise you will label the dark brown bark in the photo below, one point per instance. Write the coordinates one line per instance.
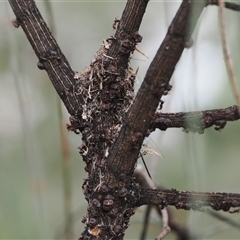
(182, 232)
(195, 121)
(48, 52)
(188, 200)
(113, 124)
(229, 5)
(141, 113)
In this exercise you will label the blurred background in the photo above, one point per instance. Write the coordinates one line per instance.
(40, 190)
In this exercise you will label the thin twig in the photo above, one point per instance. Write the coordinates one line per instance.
(182, 232)
(228, 60)
(145, 165)
(164, 212)
(166, 229)
(228, 5)
(145, 222)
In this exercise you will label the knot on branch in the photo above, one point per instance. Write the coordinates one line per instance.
(107, 204)
(128, 42)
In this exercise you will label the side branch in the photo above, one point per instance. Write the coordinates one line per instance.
(47, 50)
(181, 231)
(189, 200)
(195, 121)
(229, 5)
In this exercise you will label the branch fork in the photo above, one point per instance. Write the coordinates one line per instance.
(113, 122)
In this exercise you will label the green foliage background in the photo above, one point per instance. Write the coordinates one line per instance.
(31, 168)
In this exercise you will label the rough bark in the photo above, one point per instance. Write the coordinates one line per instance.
(112, 122)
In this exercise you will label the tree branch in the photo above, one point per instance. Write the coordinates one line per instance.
(98, 99)
(48, 52)
(181, 231)
(127, 36)
(188, 200)
(195, 121)
(229, 5)
(124, 153)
